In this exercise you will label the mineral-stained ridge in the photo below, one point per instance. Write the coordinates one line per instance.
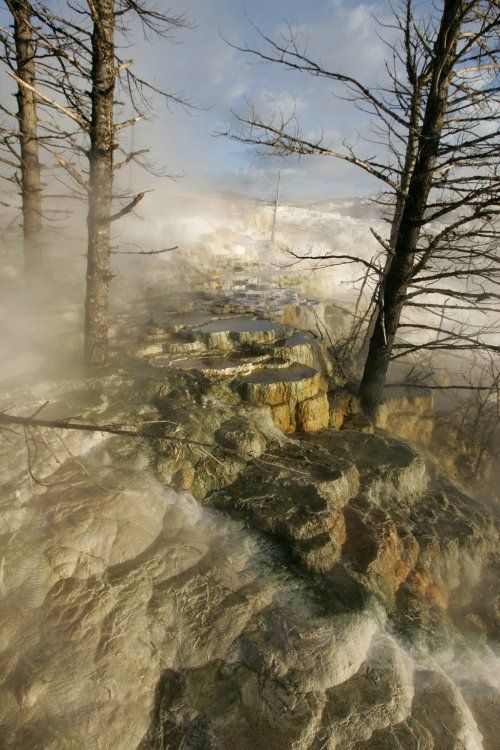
(303, 600)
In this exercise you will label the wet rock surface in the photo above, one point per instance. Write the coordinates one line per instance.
(224, 333)
(389, 534)
(304, 598)
(293, 392)
(297, 500)
(276, 366)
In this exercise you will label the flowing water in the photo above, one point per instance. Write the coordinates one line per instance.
(310, 597)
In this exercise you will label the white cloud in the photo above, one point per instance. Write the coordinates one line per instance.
(341, 34)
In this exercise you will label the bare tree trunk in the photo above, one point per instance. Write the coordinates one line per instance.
(100, 184)
(399, 272)
(31, 187)
(410, 157)
(276, 203)
(409, 163)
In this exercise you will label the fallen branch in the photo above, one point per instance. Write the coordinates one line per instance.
(134, 431)
(424, 386)
(110, 428)
(145, 252)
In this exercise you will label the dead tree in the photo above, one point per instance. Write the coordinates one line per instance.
(102, 144)
(27, 133)
(435, 120)
(400, 270)
(81, 92)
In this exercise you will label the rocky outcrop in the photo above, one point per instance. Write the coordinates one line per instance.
(224, 333)
(354, 711)
(293, 392)
(318, 594)
(378, 529)
(275, 386)
(282, 369)
(391, 470)
(297, 502)
(373, 697)
(439, 718)
(343, 404)
(312, 413)
(304, 348)
(381, 536)
(406, 412)
(240, 435)
(209, 366)
(168, 625)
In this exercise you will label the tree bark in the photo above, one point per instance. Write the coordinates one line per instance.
(100, 184)
(31, 186)
(409, 163)
(399, 272)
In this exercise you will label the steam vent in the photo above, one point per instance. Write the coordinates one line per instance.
(250, 417)
(290, 575)
(270, 571)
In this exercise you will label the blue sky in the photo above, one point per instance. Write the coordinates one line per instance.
(342, 34)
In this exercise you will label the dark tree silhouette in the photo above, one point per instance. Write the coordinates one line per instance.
(435, 121)
(88, 88)
(21, 48)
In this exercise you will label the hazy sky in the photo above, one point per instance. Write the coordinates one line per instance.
(341, 33)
